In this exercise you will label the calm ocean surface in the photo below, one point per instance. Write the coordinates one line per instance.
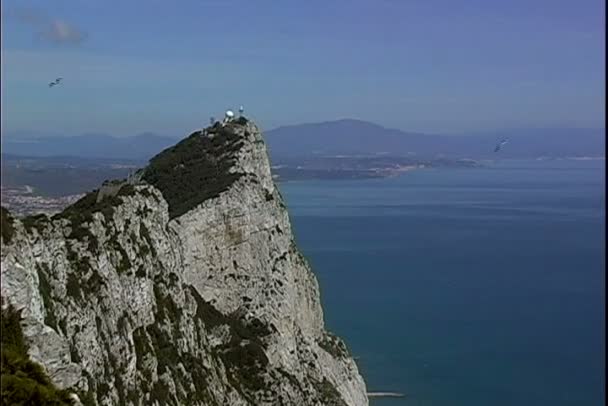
(465, 286)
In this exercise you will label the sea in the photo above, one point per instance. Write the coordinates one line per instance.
(473, 286)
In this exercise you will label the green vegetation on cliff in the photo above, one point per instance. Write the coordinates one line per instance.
(244, 354)
(195, 169)
(24, 382)
(334, 346)
(6, 225)
(82, 211)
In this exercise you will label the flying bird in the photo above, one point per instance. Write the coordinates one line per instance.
(55, 82)
(500, 144)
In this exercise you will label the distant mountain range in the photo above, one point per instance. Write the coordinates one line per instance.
(138, 147)
(341, 137)
(360, 137)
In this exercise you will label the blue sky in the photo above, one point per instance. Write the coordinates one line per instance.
(431, 66)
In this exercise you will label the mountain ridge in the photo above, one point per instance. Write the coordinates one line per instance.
(344, 137)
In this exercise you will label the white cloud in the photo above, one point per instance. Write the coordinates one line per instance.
(61, 32)
(49, 28)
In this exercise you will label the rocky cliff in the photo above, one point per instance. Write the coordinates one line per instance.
(182, 285)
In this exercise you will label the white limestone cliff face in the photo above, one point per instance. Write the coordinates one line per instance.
(148, 298)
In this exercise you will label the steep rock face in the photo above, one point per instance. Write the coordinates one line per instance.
(182, 286)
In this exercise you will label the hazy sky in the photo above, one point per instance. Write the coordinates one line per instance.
(429, 65)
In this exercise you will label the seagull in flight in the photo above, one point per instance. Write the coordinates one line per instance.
(55, 82)
(500, 144)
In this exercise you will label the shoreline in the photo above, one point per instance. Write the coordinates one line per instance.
(371, 174)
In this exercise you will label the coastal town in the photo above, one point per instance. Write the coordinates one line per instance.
(22, 201)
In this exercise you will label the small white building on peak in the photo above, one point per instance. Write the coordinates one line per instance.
(229, 116)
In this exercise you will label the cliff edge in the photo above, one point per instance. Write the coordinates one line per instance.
(181, 285)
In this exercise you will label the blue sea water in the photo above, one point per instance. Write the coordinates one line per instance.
(467, 287)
